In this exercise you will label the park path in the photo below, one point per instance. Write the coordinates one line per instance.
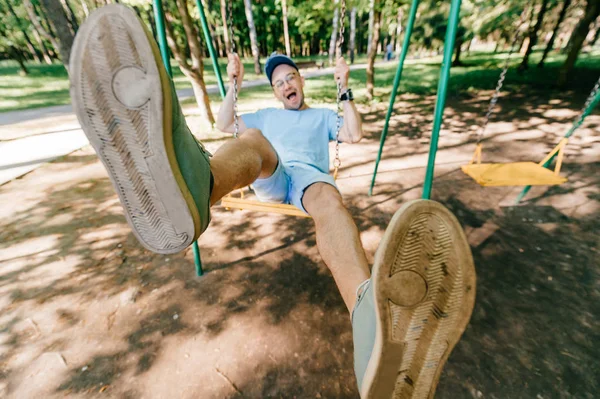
(30, 138)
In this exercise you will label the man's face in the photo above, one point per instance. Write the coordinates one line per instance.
(288, 86)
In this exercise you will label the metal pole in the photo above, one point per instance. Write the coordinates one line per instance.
(211, 49)
(164, 51)
(576, 124)
(441, 94)
(405, 44)
(162, 38)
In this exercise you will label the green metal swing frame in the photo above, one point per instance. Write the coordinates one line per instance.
(593, 101)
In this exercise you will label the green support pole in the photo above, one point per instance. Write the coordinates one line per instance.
(405, 43)
(576, 125)
(162, 37)
(211, 49)
(441, 94)
(164, 51)
(197, 259)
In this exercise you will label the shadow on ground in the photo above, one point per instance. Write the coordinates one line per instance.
(266, 320)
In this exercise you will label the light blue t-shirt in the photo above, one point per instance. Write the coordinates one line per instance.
(297, 136)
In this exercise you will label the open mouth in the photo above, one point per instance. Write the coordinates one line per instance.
(291, 96)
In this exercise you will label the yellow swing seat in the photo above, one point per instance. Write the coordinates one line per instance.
(250, 205)
(231, 202)
(516, 173)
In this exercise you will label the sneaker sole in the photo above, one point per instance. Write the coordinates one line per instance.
(118, 98)
(424, 287)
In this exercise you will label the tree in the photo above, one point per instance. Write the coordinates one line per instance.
(533, 36)
(371, 24)
(334, 31)
(8, 47)
(398, 31)
(225, 26)
(70, 16)
(592, 10)
(22, 27)
(286, 32)
(58, 19)
(372, 53)
(460, 39)
(37, 25)
(352, 45)
(561, 16)
(253, 38)
(193, 69)
(85, 8)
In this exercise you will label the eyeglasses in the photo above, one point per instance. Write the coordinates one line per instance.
(288, 79)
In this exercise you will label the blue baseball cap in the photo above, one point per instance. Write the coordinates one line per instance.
(274, 61)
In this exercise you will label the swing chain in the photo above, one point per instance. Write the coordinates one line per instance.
(337, 162)
(588, 101)
(236, 123)
(494, 99)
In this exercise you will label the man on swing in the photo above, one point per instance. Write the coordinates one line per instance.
(408, 311)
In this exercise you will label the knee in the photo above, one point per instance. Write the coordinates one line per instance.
(254, 136)
(323, 200)
(255, 140)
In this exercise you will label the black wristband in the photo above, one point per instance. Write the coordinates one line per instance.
(347, 95)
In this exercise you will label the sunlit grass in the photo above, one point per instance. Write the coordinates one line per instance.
(48, 85)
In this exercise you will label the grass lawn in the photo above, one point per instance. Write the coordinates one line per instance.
(420, 76)
(48, 85)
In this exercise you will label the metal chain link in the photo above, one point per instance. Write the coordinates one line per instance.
(337, 162)
(236, 123)
(494, 99)
(589, 100)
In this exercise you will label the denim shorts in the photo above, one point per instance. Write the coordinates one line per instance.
(288, 183)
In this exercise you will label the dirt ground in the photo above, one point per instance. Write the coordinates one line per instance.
(86, 312)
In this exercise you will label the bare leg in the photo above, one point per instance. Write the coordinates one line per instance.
(337, 239)
(239, 162)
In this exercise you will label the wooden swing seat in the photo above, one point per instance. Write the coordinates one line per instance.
(251, 205)
(516, 173)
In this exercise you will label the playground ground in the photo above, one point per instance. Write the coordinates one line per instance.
(86, 312)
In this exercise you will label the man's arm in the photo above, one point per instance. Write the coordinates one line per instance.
(351, 131)
(225, 117)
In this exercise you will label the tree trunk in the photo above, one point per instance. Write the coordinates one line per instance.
(458, 47)
(84, 6)
(286, 33)
(399, 31)
(253, 38)
(194, 70)
(533, 36)
(334, 31)
(16, 55)
(32, 49)
(596, 37)
(70, 16)
(45, 52)
(550, 44)
(45, 22)
(39, 28)
(58, 19)
(371, 56)
(592, 10)
(352, 46)
(371, 20)
(225, 26)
